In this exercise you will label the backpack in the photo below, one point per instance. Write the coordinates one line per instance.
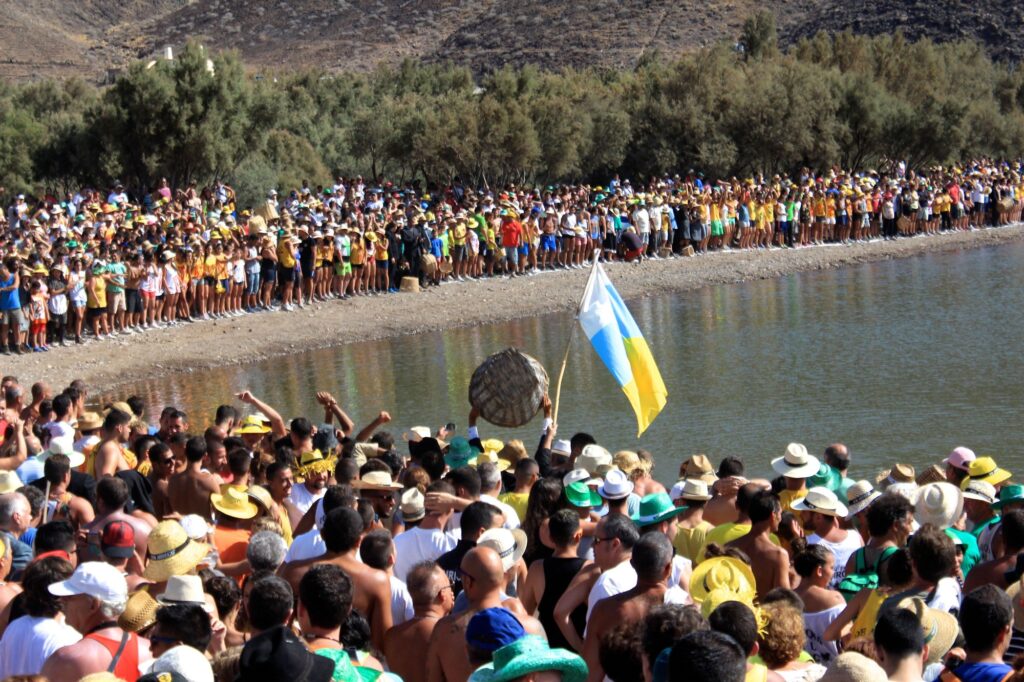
(863, 578)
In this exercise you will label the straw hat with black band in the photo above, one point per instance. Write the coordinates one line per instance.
(171, 552)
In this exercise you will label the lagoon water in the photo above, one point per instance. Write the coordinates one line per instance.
(901, 360)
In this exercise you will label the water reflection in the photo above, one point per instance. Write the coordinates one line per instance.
(902, 360)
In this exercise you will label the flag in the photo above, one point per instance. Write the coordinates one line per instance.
(620, 345)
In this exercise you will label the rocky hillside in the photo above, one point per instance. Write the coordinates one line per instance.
(90, 37)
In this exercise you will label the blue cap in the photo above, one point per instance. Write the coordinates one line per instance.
(492, 629)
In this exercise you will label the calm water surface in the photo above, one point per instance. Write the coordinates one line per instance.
(901, 360)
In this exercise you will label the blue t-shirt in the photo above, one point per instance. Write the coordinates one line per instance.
(9, 300)
(982, 672)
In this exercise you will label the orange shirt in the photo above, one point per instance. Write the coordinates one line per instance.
(231, 543)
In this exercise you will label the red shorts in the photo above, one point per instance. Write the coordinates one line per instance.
(37, 326)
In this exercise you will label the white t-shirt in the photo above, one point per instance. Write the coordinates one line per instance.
(60, 430)
(306, 546)
(419, 544)
(302, 498)
(29, 641)
(841, 551)
(947, 597)
(401, 602)
(610, 583)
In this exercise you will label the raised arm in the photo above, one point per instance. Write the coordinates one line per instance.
(277, 425)
(333, 410)
(382, 418)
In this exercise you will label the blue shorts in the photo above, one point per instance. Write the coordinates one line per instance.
(547, 242)
(524, 250)
(252, 283)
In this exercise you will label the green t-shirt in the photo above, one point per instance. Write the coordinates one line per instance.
(972, 555)
(116, 284)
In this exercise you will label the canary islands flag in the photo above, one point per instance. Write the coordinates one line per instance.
(622, 348)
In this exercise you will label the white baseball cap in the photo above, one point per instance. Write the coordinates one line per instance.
(96, 579)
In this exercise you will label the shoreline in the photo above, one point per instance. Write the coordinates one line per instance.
(105, 365)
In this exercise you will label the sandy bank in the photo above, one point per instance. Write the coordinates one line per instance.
(194, 347)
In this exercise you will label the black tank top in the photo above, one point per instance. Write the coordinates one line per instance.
(558, 573)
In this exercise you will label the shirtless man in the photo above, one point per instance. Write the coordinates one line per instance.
(483, 579)
(190, 490)
(110, 456)
(769, 562)
(652, 560)
(432, 600)
(722, 507)
(111, 496)
(342, 532)
(162, 460)
(995, 571)
(63, 505)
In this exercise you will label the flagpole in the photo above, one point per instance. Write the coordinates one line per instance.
(568, 344)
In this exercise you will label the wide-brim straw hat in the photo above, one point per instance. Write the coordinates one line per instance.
(850, 666)
(376, 480)
(939, 504)
(690, 489)
(509, 544)
(139, 612)
(698, 466)
(234, 503)
(796, 462)
(940, 628)
(171, 552)
(821, 501)
(722, 573)
(89, 421)
(593, 458)
(859, 497)
(261, 496)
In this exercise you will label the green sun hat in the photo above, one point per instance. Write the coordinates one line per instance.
(1008, 494)
(827, 477)
(530, 655)
(460, 453)
(580, 494)
(655, 508)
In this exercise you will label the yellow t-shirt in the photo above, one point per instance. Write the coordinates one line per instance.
(284, 254)
(787, 497)
(864, 624)
(690, 541)
(517, 501)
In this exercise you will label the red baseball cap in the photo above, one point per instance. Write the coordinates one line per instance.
(118, 540)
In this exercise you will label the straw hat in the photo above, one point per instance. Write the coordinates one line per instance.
(313, 461)
(9, 482)
(252, 424)
(821, 501)
(413, 505)
(859, 497)
(261, 496)
(722, 573)
(234, 503)
(627, 461)
(616, 485)
(985, 469)
(171, 552)
(853, 667)
(492, 457)
(940, 628)
(980, 491)
(593, 458)
(931, 474)
(690, 489)
(139, 612)
(796, 463)
(698, 466)
(939, 504)
(184, 589)
(89, 421)
(376, 480)
(509, 544)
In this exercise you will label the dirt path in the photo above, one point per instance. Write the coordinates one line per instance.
(193, 347)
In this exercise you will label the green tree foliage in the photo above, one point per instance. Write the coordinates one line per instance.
(846, 99)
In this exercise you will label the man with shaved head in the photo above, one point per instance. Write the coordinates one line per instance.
(483, 579)
(652, 561)
(432, 599)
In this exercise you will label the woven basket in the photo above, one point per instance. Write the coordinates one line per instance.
(508, 388)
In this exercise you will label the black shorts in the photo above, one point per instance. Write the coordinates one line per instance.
(93, 313)
(133, 301)
(210, 281)
(268, 275)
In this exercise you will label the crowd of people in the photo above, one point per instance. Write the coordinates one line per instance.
(97, 263)
(312, 549)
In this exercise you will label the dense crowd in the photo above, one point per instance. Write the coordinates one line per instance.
(312, 549)
(98, 263)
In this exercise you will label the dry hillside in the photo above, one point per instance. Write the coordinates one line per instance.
(88, 37)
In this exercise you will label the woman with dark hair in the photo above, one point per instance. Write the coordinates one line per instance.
(545, 499)
(816, 565)
(34, 632)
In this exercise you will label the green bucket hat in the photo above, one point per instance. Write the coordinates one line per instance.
(580, 494)
(1008, 494)
(655, 508)
(530, 655)
(827, 477)
(460, 453)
